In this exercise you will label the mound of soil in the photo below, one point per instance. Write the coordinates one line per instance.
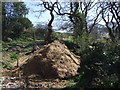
(54, 61)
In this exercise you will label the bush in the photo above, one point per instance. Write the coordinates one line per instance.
(83, 41)
(100, 66)
(71, 45)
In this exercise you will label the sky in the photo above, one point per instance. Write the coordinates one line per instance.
(36, 17)
(44, 17)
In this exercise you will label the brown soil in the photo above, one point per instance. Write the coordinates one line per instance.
(54, 61)
(50, 64)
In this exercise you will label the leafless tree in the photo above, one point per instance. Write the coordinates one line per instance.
(110, 15)
(50, 7)
(73, 11)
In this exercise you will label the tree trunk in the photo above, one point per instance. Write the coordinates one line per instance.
(112, 37)
(50, 27)
(49, 33)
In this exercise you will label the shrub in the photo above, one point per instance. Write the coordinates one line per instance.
(100, 66)
(83, 41)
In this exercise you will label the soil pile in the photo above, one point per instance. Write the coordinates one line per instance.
(54, 61)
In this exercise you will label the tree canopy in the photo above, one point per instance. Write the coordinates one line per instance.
(14, 19)
(78, 13)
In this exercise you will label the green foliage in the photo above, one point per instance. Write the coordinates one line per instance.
(57, 35)
(82, 17)
(40, 37)
(14, 57)
(7, 65)
(21, 41)
(79, 24)
(71, 46)
(41, 30)
(100, 62)
(101, 66)
(69, 83)
(13, 19)
(84, 41)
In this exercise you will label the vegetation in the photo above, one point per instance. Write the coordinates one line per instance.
(14, 57)
(14, 20)
(99, 66)
(100, 54)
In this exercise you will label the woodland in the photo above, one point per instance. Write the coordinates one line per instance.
(86, 55)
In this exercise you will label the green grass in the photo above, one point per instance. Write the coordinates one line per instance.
(6, 65)
(25, 39)
(40, 38)
(20, 41)
(13, 58)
